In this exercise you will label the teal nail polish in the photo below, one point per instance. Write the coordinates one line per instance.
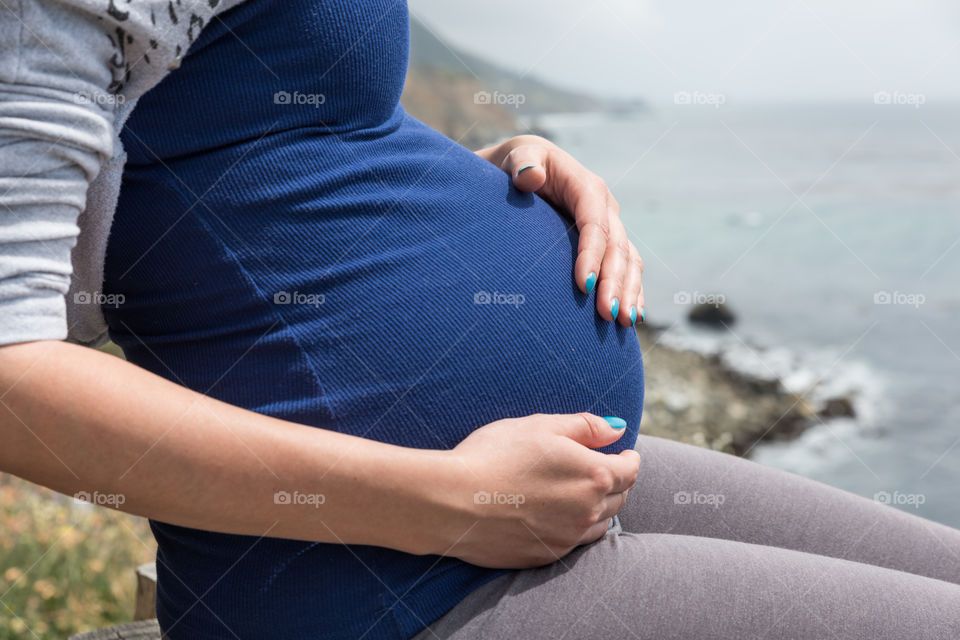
(522, 169)
(633, 315)
(643, 315)
(615, 308)
(591, 281)
(615, 422)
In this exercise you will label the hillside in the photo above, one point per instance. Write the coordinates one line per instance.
(475, 101)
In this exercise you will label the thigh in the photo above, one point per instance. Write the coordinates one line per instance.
(664, 586)
(687, 490)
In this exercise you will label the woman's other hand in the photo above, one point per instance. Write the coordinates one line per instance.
(606, 260)
(525, 492)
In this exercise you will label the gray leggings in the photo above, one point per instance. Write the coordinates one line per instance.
(714, 546)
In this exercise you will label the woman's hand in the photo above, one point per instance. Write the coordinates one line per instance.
(525, 492)
(606, 259)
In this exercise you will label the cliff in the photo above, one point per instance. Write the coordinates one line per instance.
(476, 102)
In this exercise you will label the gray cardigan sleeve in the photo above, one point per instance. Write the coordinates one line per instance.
(55, 130)
(67, 69)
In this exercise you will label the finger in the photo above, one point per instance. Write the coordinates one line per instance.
(595, 532)
(584, 197)
(642, 305)
(526, 164)
(631, 293)
(587, 203)
(625, 467)
(613, 272)
(593, 243)
(587, 429)
(612, 505)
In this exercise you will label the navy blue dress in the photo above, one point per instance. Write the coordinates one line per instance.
(290, 241)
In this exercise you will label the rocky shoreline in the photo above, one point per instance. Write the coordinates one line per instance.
(699, 399)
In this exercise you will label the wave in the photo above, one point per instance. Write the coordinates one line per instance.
(819, 374)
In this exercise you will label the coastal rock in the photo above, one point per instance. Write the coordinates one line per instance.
(701, 400)
(841, 407)
(712, 314)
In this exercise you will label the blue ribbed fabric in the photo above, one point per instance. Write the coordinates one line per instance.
(332, 261)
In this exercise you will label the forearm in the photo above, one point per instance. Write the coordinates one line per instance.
(74, 419)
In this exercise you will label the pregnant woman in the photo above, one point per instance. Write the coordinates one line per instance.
(364, 368)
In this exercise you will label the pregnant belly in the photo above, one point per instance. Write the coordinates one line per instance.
(396, 288)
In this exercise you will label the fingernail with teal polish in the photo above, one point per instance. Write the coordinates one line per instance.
(643, 315)
(591, 281)
(615, 308)
(633, 315)
(615, 422)
(522, 169)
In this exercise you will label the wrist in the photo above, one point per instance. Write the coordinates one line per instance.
(439, 496)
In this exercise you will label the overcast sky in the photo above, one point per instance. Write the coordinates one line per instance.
(746, 50)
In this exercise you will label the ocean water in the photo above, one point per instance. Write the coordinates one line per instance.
(833, 232)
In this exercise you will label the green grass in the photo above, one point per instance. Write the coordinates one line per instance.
(65, 568)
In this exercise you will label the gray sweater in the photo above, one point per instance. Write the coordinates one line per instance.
(70, 74)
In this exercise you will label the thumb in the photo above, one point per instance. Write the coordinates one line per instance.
(590, 430)
(526, 165)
